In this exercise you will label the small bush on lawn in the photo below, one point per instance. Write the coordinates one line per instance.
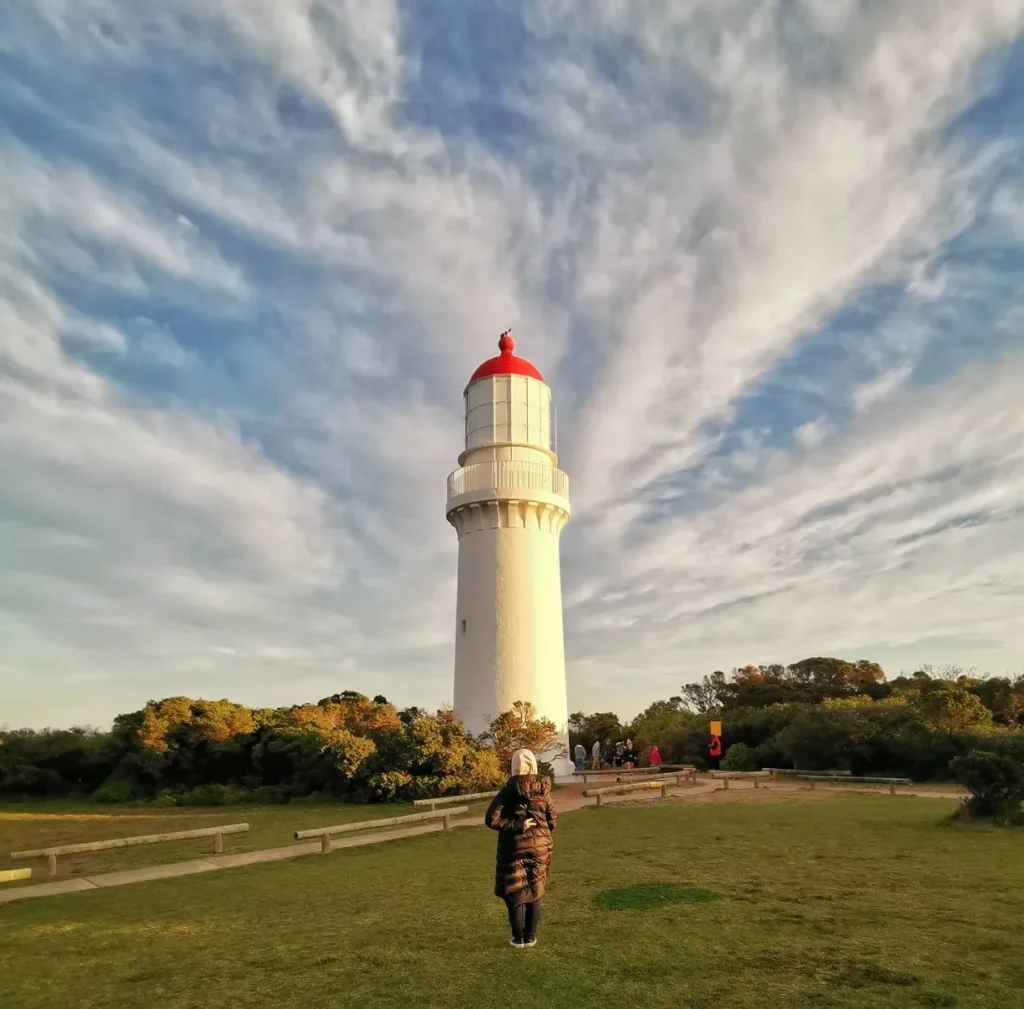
(996, 784)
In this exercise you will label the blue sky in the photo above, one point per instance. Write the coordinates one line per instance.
(768, 255)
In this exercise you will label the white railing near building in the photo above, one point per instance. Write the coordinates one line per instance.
(508, 475)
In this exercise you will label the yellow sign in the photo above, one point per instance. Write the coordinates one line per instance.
(716, 728)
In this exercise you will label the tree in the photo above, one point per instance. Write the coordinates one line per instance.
(602, 727)
(521, 729)
(820, 739)
(996, 784)
(1002, 696)
(951, 708)
(739, 757)
(708, 695)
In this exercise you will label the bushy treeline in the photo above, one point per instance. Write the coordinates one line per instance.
(826, 713)
(189, 752)
(818, 714)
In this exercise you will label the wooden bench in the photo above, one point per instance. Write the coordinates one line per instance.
(325, 833)
(448, 799)
(50, 854)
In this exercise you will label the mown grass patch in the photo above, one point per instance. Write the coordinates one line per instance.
(650, 895)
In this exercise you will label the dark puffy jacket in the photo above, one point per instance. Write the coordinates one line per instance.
(524, 854)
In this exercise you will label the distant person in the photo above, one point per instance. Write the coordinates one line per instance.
(580, 754)
(619, 750)
(655, 757)
(524, 816)
(596, 755)
(629, 755)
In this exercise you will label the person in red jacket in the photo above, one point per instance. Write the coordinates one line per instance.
(655, 757)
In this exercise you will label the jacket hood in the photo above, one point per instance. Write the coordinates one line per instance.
(523, 763)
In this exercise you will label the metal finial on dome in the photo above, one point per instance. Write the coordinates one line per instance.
(506, 363)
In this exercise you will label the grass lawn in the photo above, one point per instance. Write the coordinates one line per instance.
(853, 901)
(38, 825)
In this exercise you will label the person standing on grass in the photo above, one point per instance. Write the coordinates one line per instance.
(629, 755)
(524, 816)
(655, 757)
(596, 754)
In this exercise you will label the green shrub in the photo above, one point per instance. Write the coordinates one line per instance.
(390, 786)
(214, 795)
(267, 795)
(740, 757)
(114, 790)
(996, 784)
(29, 782)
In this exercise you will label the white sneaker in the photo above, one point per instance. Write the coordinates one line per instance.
(516, 944)
(529, 943)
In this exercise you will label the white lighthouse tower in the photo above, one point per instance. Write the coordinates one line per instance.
(509, 502)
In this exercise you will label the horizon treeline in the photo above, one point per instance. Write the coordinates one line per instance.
(818, 714)
(829, 714)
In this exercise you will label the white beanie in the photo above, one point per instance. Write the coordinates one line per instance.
(523, 762)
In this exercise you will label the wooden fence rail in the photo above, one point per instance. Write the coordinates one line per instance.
(844, 779)
(447, 800)
(639, 786)
(11, 875)
(773, 771)
(726, 776)
(636, 772)
(50, 854)
(324, 833)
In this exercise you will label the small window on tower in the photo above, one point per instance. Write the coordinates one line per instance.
(463, 626)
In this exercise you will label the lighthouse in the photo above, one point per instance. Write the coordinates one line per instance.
(509, 503)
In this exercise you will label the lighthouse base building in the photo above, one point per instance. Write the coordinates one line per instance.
(508, 503)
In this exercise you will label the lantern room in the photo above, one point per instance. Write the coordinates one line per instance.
(508, 404)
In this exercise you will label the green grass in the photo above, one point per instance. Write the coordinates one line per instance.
(25, 826)
(851, 901)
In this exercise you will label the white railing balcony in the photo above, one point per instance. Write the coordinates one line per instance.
(505, 475)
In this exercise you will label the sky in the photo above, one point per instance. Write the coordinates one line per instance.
(769, 256)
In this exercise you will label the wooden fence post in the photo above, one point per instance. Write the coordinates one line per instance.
(218, 844)
(814, 785)
(664, 791)
(725, 784)
(446, 823)
(892, 789)
(599, 798)
(51, 864)
(325, 842)
(757, 783)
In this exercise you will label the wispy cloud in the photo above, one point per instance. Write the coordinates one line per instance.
(766, 253)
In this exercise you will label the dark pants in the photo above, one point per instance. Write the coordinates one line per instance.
(524, 919)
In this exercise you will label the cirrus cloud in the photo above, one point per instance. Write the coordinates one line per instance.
(767, 255)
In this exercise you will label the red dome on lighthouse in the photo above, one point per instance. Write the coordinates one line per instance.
(506, 363)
